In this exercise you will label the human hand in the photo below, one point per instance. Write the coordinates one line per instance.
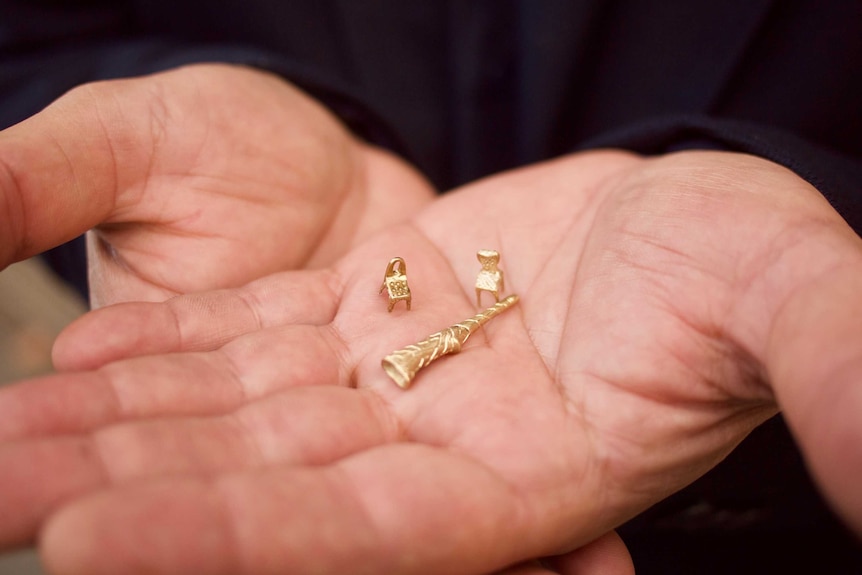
(203, 177)
(668, 306)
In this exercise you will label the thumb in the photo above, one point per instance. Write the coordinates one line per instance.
(58, 170)
(814, 360)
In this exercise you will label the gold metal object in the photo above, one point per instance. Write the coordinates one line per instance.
(490, 277)
(395, 283)
(403, 365)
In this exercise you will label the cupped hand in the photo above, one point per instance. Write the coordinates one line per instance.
(203, 177)
(668, 306)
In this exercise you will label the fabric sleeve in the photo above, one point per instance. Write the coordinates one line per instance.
(31, 81)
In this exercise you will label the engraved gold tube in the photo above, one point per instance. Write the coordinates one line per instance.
(403, 365)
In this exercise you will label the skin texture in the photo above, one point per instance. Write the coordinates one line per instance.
(668, 306)
(181, 172)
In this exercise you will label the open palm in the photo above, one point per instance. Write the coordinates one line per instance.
(202, 177)
(657, 325)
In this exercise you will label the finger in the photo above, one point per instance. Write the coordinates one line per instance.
(57, 172)
(36, 478)
(402, 508)
(204, 383)
(607, 555)
(301, 426)
(311, 426)
(814, 360)
(77, 402)
(196, 322)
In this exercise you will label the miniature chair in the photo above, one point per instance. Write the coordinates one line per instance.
(395, 282)
(490, 277)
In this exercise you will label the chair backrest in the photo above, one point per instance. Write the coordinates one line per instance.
(396, 278)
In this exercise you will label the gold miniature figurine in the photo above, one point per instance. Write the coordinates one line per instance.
(403, 365)
(395, 282)
(490, 277)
